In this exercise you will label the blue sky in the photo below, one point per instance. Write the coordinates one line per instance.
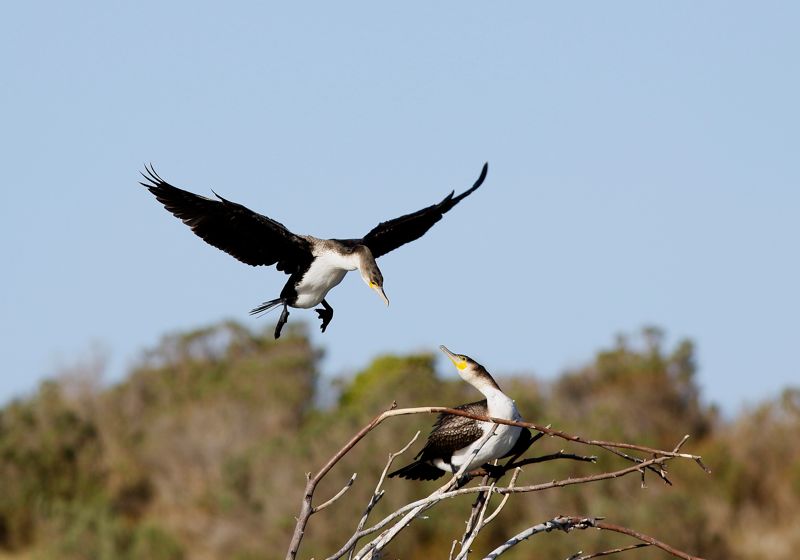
(643, 170)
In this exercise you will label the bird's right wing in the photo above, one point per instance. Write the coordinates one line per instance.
(451, 433)
(252, 238)
(388, 236)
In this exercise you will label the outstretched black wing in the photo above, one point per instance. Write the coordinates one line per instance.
(388, 236)
(252, 238)
(451, 433)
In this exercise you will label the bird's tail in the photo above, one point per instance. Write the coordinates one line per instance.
(267, 306)
(418, 470)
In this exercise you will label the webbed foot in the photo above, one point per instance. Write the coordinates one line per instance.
(281, 321)
(326, 314)
(494, 471)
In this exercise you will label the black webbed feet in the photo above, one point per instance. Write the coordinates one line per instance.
(463, 480)
(325, 314)
(325, 317)
(281, 321)
(494, 471)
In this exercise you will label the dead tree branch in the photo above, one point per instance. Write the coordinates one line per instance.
(567, 524)
(436, 497)
(377, 494)
(379, 543)
(336, 496)
(307, 509)
(582, 556)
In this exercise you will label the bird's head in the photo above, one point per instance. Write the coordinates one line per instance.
(469, 370)
(370, 272)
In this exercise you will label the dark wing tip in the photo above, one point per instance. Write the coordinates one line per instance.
(153, 179)
(475, 185)
(218, 196)
(482, 177)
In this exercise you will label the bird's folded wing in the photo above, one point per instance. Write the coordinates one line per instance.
(388, 236)
(451, 433)
(252, 238)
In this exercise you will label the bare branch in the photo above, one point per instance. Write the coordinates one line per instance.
(569, 523)
(377, 494)
(384, 539)
(452, 549)
(645, 538)
(533, 460)
(479, 524)
(338, 495)
(436, 497)
(306, 508)
(558, 523)
(505, 498)
(582, 556)
(476, 508)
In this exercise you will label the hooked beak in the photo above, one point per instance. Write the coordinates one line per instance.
(457, 361)
(381, 293)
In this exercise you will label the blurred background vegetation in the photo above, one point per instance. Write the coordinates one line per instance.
(201, 452)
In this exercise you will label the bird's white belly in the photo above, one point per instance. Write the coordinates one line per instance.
(500, 443)
(319, 279)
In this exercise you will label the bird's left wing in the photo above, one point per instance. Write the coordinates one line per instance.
(248, 236)
(388, 236)
(451, 433)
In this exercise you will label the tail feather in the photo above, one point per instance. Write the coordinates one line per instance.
(267, 306)
(418, 470)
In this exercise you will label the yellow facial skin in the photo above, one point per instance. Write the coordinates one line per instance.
(460, 363)
(379, 290)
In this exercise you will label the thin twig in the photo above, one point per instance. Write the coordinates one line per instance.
(476, 508)
(558, 523)
(452, 549)
(306, 509)
(467, 543)
(505, 498)
(338, 495)
(541, 459)
(377, 494)
(570, 523)
(645, 538)
(383, 540)
(436, 497)
(582, 556)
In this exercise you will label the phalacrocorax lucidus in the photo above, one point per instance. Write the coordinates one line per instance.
(453, 438)
(314, 265)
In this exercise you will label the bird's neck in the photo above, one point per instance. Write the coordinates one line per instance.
(337, 257)
(352, 262)
(362, 259)
(486, 384)
(500, 405)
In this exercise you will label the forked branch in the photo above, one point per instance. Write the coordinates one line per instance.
(307, 509)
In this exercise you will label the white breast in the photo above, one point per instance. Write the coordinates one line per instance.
(500, 443)
(327, 270)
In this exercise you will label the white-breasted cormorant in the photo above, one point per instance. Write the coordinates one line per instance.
(314, 265)
(453, 438)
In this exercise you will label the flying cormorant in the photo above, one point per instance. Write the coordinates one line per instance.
(314, 265)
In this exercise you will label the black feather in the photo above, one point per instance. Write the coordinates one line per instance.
(248, 236)
(388, 236)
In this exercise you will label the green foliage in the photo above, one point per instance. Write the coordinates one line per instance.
(202, 452)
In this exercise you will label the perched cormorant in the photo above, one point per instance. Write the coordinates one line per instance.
(314, 265)
(454, 438)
